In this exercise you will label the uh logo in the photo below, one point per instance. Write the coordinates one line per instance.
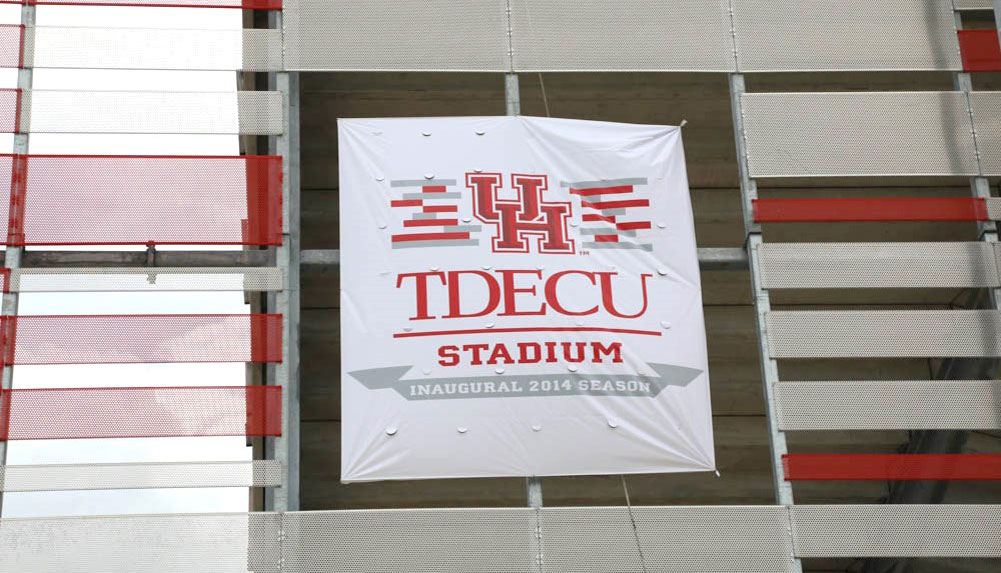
(519, 220)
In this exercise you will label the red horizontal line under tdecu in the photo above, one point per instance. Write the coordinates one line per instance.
(808, 467)
(526, 329)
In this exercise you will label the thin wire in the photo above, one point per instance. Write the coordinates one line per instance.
(545, 100)
(636, 533)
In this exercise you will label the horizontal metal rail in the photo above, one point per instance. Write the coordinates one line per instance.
(150, 475)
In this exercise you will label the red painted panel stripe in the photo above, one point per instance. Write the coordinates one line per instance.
(141, 199)
(74, 413)
(433, 189)
(10, 103)
(606, 238)
(245, 4)
(406, 203)
(149, 339)
(429, 237)
(617, 204)
(440, 209)
(11, 45)
(602, 191)
(980, 50)
(632, 225)
(592, 217)
(430, 222)
(871, 209)
(892, 466)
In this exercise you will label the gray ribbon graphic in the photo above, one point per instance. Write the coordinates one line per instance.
(526, 385)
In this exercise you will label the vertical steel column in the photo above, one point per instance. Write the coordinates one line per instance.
(286, 302)
(979, 186)
(997, 15)
(762, 301)
(13, 255)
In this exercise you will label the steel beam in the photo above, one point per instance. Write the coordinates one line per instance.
(12, 257)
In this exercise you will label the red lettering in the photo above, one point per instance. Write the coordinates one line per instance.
(551, 352)
(553, 298)
(475, 349)
(510, 291)
(581, 348)
(421, 280)
(454, 297)
(450, 355)
(609, 301)
(500, 353)
(614, 349)
(523, 354)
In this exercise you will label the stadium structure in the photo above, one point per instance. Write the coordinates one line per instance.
(843, 158)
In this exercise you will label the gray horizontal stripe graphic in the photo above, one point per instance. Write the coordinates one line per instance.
(605, 183)
(441, 243)
(619, 232)
(426, 216)
(432, 196)
(463, 229)
(421, 182)
(633, 246)
(527, 385)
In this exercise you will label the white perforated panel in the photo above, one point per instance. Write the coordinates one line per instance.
(986, 108)
(101, 279)
(884, 333)
(897, 530)
(832, 35)
(224, 543)
(858, 134)
(622, 35)
(878, 265)
(150, 48)
(396, 35)
(259, 473)
(57, 111)
(889, 405)
(974, 4)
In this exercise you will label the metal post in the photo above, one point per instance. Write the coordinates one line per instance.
(12, 258)
(286, 374)
(512, 99)
(997, 14)
(762, 301)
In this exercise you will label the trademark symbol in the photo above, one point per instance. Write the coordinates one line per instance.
(585, 253)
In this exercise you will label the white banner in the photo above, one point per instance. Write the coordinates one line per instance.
(520, 297)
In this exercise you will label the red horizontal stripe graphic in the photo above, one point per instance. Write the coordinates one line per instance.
(629, 226)
(440, 209)
(892, 466)
(980, 50)
(245, 4)
(150, 338)
(433, 189)
(141, 199)
(606, 238)
(526, 329)
(602, 191)
(75, 413)
(430, 222)
(429, 237)
(617, 204)
(871, 209)
(592, 217)
(406, 203)
(10, 112)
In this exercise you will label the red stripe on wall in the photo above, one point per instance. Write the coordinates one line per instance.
(633, 225)
(892, 466)
(606, 238)
(592, 217)
(980, 50)
(871, 209)
(433, 189)
(440, 209)
(406, 203)
(75, 413)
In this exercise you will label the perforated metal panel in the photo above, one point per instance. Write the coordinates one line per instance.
(986, 108)
(396, 35)
(858, 134)
(440, 540)
(708, 538)
(889, 405)
(57, 111)
(994, 208)
(258, 473)
(832, 35)
(145, 279)
(878, 265)
(622, 35)
(162, 49)
(884, 333)
(224, 543)
(897, 530)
